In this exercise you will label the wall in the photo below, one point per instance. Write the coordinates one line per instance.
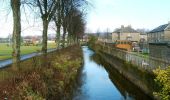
(167, 35)
(135, 36)
(142, 79)
(156, 37)
(123, 36)
(114, 37)
(143, 62)
(143, 36)
(160, 50)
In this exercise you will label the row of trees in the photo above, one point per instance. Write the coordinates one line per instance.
(68, 15)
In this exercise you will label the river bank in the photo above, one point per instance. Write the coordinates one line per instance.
(143, 79)
(98, 80)
(38, 78)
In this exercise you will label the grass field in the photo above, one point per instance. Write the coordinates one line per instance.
(6, 51)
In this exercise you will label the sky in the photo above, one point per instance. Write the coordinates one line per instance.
(111, 14)
(102, 15)
(31, 23)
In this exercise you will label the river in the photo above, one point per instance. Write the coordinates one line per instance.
(98, 82)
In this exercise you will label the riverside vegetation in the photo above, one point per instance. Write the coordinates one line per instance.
(163, 81)
(34, 81)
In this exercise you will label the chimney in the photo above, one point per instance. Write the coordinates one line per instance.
(122, 26)
(168, 27)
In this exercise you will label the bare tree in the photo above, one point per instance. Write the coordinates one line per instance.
(15, 5)
(47, 10)
(76, 25)
(57, 20)
(67, 13)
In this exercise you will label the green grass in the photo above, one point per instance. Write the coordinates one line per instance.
(6, 51)
(145, 55)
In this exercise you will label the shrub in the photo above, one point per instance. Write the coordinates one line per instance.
(163, 80)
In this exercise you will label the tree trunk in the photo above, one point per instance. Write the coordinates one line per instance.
(58, 23)
(64, 35)
(44, 41)
(69, 38)
(15, 4)
(58, 36)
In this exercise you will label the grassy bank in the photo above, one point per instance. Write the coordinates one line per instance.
(37, 80)
(6, 51)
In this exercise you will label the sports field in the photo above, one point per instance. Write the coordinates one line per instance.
(6, 51)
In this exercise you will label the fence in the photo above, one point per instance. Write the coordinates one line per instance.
(146, 62)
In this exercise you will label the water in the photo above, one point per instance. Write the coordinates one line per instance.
(97, 83)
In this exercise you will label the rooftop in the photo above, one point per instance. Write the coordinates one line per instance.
(127, 29)
(161, 28)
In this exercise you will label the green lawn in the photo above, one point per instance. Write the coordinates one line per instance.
(145, 55)
(5, 51)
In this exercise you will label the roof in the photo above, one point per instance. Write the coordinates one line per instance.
(160, 28)
(125, 30)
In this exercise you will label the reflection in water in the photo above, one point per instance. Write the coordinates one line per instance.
(95, 83)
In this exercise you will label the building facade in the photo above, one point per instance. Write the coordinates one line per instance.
(159, 42)
(126, 33)
(160, 34)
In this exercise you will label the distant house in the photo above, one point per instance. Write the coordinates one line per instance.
(143, 37)
(160, 34)
(159, 42)
(143, 43)
(4, 40)
(126, 33)
(31, 40)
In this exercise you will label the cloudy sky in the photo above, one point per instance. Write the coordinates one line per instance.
(102, 15)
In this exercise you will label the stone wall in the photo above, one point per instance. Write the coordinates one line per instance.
(167, 35)
(149, 63)
(125, 36)
(114, 37)
(156, 37)
(160, 50)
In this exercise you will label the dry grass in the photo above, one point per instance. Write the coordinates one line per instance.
(41, 79)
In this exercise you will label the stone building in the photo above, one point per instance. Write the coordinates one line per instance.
(143, 37)
(159, 42)
(126, 33)
(160, 34)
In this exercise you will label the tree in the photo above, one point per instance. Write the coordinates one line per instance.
(57, 20)
(68, 9)
(78, 25)
(92, 40)
(15, 5)
(65, 4)
(47, 10)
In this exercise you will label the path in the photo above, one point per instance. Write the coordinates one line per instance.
(5, 63)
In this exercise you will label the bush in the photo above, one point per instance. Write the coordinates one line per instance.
(34, 81)
(92, 40)
(163, 80)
